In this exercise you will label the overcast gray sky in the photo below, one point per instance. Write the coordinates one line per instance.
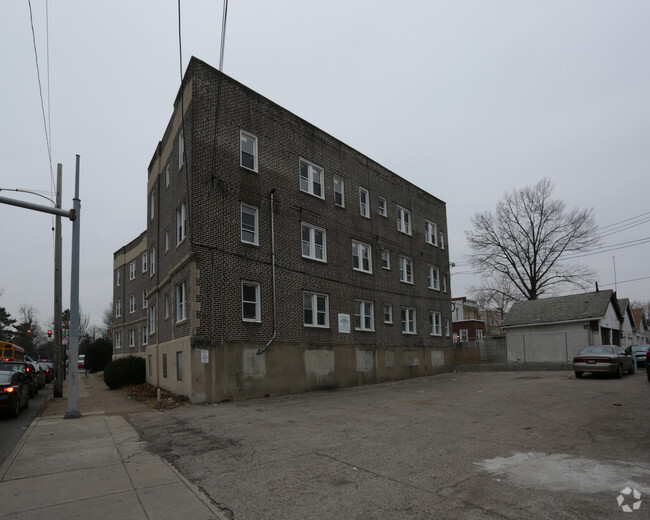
(466, 99)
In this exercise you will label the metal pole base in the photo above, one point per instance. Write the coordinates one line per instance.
(72, 414)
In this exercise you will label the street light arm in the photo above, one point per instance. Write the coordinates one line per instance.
(31, 192)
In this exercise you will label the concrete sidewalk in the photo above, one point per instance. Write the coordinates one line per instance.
(94, 466)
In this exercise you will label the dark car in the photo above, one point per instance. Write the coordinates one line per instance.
(639, 352)
(25, 368)
(14, 392)
(610, 359)
(48, 368)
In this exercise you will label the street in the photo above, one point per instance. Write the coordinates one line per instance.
(458, 445)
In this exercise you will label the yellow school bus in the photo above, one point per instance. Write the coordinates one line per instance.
(11, 352)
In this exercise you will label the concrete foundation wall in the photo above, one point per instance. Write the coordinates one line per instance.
(236, 371)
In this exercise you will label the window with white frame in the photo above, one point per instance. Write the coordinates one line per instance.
(339, 192)
(403, 220)
(145, 301)
(442, 240)
(248, 150)
(479, 334)
(388, 313)
(435, 323)
(132, 270)
(364, 202)
(166, 305)
(431, 232)
(145, 262)
(166, 240)
(131, 337)
(132, 304)
(181, 149)
(152, 318)
(315, 310)
(383, 211)
(444, 283)
(118, 277)
(464, 335)
(447, 328)
(385, 259)
(152, 261)
(118, 308)
(362, 257)
(314, 245)
(311, 179)
(405, 269)
(152, 206)
(250, 301)
(249, 225)
(433, 278)
(181, 302)
(167, 177)
(408, 321)
(180, 224)
(145, 335)
(364, 318)
(118, 340)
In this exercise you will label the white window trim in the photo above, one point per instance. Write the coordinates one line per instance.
(145, 262)
(442, 240)
(152, 318)
(404, 224)
(435, 322)
(145, 300)
(131, 338)
(167, 176)
(166, 305)
(181, 302)
(385, 254)
(256, 231)
(403, 261)
(314, 314)
(152, 207)
(152, 262)
(367, 310)
(383, 211)
(253, 137)
(132, 304)
(258, 316)
(118, 277)
(312, 242)
(411, 318)
(181, 149)
(360, 246)
(342, 184)
(463, 335)
(145, 335)
(118, 308)
(181, 223)
(313, 171)
(389, 307)
(132, 270)
(364, 209)
(431, 232)
(433, 278)
(118, 340)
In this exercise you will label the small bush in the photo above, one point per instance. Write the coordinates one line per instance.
(98, 354)
(130, 370)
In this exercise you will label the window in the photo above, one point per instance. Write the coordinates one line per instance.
(362, 257)
(132, 304)
(364, 318)
(250, 301)
(181, 302)
(164, 365)
(118, 340)
(118, 277)
(403, 220)
(145, 335)
(248, 150)
(145, 262)
(382, 207)
(167, 176)
(131, 337)
(435, 322)
(444, 284)
(179, 366)
(431, 233)
(433, 278)
(442, 241)
(166, 309)
(385, 259)
(447, 329)
(180, 224)
(388, 313)
(311, 179)
(145, 302)
(408, 321)
(479, 334)
(152, 261)
(181, 149)
(249, 225)
(339, 192)
(314, 243)
(118, 308)
(364, 202)
(464, 336)
(152, 318)
(152, 206)
(166, 240)
(315, 308)
(405, 269)
(132, 270)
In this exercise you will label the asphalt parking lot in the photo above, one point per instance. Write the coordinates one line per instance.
(482, 445)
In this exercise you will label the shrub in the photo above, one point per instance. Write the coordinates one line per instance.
(129, 370)
(98, 354)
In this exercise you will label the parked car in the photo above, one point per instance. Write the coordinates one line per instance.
(39, 375)
(48, 368)
(610, 359)
(82, 361)
(639, 352)
(25, 368)
(14, 392)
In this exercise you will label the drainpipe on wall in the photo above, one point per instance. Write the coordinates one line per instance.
(275, 319)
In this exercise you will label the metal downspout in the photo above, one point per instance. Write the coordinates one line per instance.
(275, 315)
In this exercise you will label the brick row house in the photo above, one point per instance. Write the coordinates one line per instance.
(276, 258)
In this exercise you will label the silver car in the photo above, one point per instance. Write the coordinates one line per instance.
(610, 359)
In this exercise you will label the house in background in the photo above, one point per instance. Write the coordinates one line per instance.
(642, 332)
(628, 326)
(555, 329)
(467, 325)
(277, 259)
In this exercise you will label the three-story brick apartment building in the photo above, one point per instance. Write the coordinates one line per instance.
(276, 258)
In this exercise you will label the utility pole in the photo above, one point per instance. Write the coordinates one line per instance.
(59, 348)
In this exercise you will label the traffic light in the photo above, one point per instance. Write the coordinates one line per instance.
(49, 333)
(29, 332)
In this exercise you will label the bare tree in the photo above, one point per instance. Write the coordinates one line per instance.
(525, 240)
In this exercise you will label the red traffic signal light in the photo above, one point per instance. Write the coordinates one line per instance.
(49, 333)
(29, 332)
